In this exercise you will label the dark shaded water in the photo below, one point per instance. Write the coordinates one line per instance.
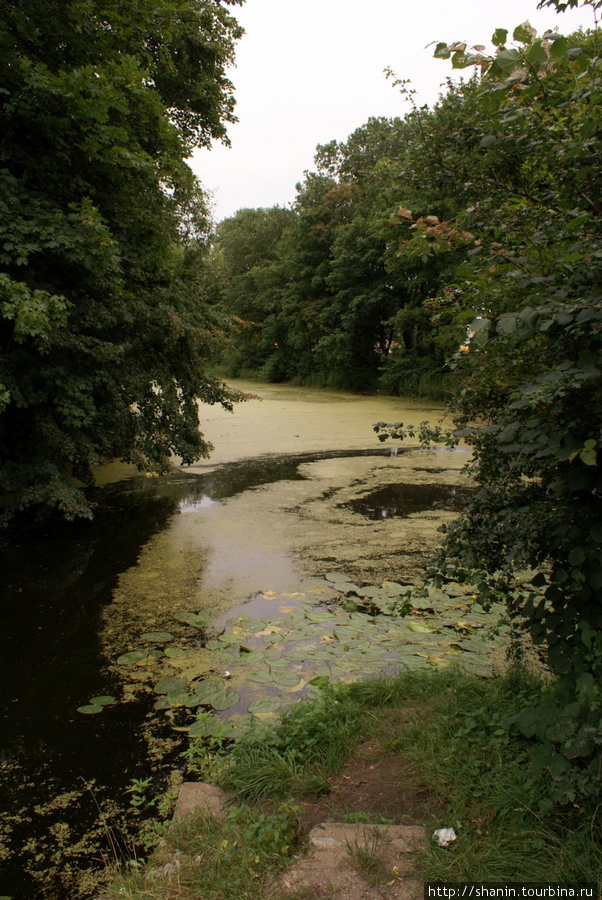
(63, 775)
(407, 499)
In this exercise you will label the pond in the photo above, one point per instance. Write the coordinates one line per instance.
(284, 499)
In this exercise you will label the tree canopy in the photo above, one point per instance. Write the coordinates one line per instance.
(103, 227)
(326, 305)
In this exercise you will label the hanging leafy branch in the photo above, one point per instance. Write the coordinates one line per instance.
(104, 331)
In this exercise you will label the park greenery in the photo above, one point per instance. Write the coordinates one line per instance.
(447, 730)
(452, 252)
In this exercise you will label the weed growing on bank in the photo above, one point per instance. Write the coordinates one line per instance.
(456, 736)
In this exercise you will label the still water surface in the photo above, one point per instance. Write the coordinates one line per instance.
(271, 507)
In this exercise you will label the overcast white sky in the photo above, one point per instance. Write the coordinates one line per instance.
(308, 71)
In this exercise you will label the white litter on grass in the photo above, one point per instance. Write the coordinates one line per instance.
(444, 836)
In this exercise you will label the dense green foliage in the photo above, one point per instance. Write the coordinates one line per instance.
(102, 232)
(521, 148)
(318, 299)
(458, 740)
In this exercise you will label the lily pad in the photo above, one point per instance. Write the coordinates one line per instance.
(286, 679)
(103, 700)
(420, 628)
(175, 653)
(162, 703)
(134, 656)
(90, 710)
(157, 637)
(192, 701)
(275, 638)
(214, 645)
(170, 685)
(421, 603)
(319, 617)
(253, 657)
(254, 626)
(209, 688)
(345, 587)
(333, 576)
(177, 698)
(454, 590)
(267, 705)
(260, 677)
(229, 638)
(156, 654)
(210, 726)
(362, 645)
(192, 619)
(412, 662)
(225, 700)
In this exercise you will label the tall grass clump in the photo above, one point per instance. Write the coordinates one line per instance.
(296, 755)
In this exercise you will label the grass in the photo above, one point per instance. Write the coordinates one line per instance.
(201, 857)
(365, 853)
(476, 772)
(297, 755)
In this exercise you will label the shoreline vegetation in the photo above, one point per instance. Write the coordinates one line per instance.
(452, 734)
(463, 239)
(449, 735)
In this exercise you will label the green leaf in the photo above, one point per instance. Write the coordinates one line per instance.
(559, 766)
(524, 33)
(103, 700)
(504, 62)
(214, 645)
(210, 687)
(134, 656)
(225, 700)
(577, 556)
(537, 53)
(178, 698)
(260, 677)
(442, 51)
(558, 46)
(170, 685)
(195, 619)
(175, 653)
(267, 705)
(210, 726)
(419, 628)
(499, 37)
(286, 679)
(248, 657)
(507, 324)
(91, 710)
